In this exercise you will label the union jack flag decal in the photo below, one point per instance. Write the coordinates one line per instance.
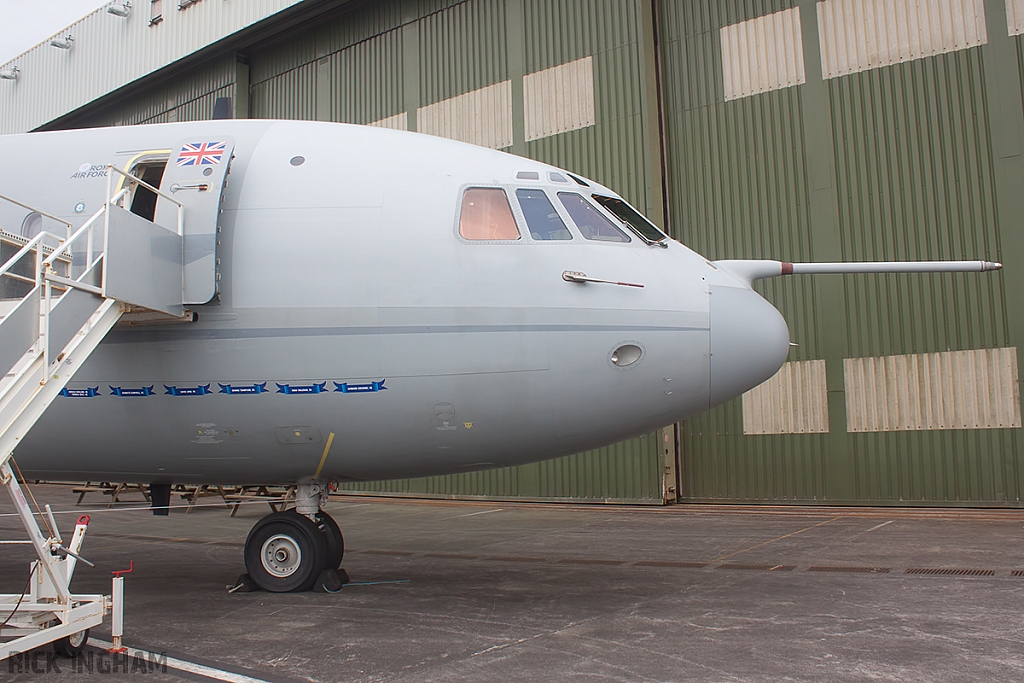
(201, 154)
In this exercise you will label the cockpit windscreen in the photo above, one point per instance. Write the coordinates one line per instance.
(631, 217)
(589, 220)
(541, 217)
(486, 215)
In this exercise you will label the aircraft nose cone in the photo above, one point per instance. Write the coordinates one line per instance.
(749, 341)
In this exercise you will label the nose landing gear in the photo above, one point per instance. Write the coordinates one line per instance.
(298, 549)
(285, 552)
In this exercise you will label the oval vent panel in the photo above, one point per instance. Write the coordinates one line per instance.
(627, 354)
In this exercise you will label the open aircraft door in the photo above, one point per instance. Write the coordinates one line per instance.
(196, 174)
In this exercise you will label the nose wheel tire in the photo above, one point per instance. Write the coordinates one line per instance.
(335, 541)
(71, 646)
(285, 552)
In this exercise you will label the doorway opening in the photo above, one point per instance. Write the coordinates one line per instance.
(143, 199)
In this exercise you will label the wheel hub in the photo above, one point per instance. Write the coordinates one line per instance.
(281, 556)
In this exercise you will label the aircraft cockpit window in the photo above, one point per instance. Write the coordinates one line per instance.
(541, 218)
(144, 199)
(557, 178)
(579, 181)
(631, 217)
(589, 220)
(528, 175)
(486, 215)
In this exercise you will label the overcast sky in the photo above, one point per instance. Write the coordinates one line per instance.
(25, 23)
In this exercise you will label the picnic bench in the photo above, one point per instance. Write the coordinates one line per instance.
(191, 493)
(113, 489)
(277, 497)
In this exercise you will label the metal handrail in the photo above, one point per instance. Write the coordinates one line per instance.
(78, 233)
(15, 276)
(67, 226)
(25, 250)
(18, 241)
(131, 179)
(142, 182)
(87, 227)
(51, 279)
(47, 279)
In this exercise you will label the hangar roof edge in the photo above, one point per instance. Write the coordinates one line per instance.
(108, 52)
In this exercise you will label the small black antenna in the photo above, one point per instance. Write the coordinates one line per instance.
(222, 109)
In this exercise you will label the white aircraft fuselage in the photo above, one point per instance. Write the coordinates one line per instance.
(336, 294)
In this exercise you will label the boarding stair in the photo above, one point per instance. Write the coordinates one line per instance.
(61, 291)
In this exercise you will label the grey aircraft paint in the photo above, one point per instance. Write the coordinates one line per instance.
(338, 297)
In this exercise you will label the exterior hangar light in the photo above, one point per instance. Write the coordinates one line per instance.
(120, 10)
(64, 43)
(10, 74)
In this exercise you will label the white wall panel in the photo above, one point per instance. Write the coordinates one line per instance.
(949, 390)
(559, 99)
(110, 52)
(1015, 16)
(482, 117)
(794, 401)
(397, 122)
(762, 54)
(857, 35)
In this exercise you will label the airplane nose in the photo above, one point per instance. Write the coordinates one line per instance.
(749, 341)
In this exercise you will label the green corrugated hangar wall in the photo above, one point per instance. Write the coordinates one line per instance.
(790, 130)
(919, 158)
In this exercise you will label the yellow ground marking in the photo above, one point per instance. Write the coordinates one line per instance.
(760, 545)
